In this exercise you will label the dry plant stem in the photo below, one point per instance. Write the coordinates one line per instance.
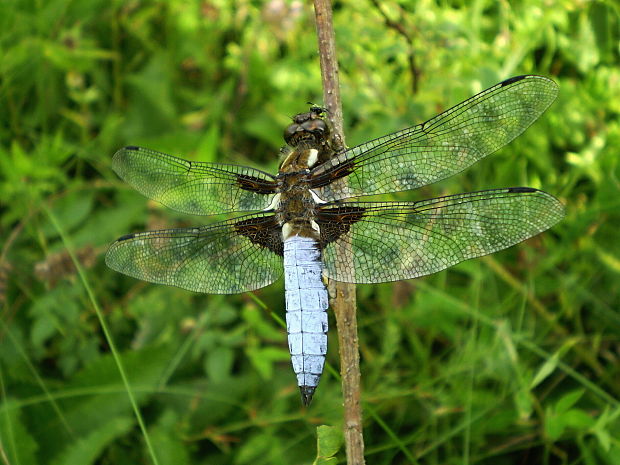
(342, 294)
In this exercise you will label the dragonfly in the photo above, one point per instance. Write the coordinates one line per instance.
(302, 224)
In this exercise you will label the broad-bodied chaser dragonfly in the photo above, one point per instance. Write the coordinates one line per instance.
(302, 218)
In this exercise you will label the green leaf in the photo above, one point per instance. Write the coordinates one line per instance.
(329, 441)
(102, 393)
(257, 448)
(562, 416)
(87, 450)
(264, 327)
(70, 211)
(554, 427)
(264, 358)
(577, 419)
(523, 402)
(166, 439)
(105, 225)
(586, 51)
(19, 446)
(545, 370)
(605, 421)
(152, 110)
(207, 148)
(604, 438)
(568, 400)
(53, 312)
(218, 363)
(552, 362)
(605, 22)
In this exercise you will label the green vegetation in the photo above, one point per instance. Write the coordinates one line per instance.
(509, 359)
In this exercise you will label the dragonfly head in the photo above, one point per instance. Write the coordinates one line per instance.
(308, 129)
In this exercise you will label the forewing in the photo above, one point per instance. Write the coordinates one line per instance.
(194, 187)
(229, 257)
(403, 240)
(440, 147)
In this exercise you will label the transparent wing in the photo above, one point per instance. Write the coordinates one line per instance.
(226, 258)
(193, 187)
(403, 240)
(440, 147)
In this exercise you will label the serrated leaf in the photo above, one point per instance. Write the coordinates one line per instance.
(103, 396)
(86, 450)
(70, 211)
(53, 312)
(104, 226)
(19, 446)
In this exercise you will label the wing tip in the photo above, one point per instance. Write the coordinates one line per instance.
(512, 80)
(552, 87)
(127, 148)
(521, 77)
(521, 190)
(120, 157)
(126, 237)
(556, 209)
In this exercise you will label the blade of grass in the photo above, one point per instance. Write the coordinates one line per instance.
(522, 341)
(393, 436)
(40, 381)
(180, 353)
(9, 433)
(70, 249)
(523, 289)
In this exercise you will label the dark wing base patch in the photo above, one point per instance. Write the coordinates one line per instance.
(337, 221)
(263, 231)
(254, 184)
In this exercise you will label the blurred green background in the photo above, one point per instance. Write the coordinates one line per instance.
(508, 359)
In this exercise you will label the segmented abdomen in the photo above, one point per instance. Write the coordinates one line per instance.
(306, 311)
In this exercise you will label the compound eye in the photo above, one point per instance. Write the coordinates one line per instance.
(315, 125)
(289, 132)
